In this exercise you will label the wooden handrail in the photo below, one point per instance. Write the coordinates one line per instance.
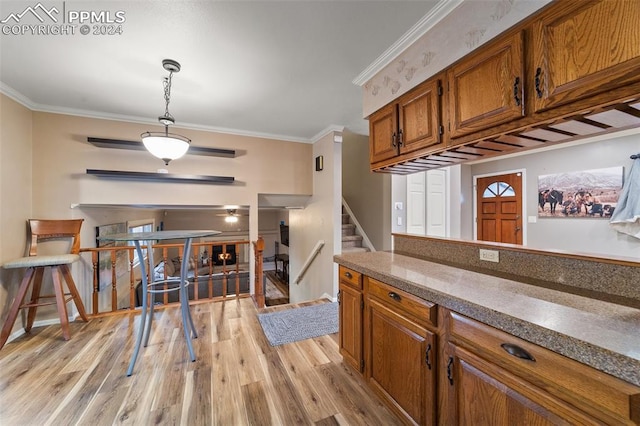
(316, 250)
(223, 272)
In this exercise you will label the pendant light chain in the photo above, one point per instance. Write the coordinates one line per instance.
(167, 95)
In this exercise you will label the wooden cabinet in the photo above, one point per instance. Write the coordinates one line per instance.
(525, 384)
(482, 393)
(411, 124)
(569, 71)
(383, 134)
(431, 365)
(351, 307)
(486, 89)
(401, 352)
(584, 48)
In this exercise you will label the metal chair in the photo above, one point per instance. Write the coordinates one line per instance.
(39, 231)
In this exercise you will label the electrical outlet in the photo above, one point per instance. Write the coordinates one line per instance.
(490, 255)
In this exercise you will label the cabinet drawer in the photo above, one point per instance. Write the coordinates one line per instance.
(349, 276)
(423, 311)
(599, 394)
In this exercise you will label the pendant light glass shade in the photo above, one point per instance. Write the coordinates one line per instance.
(166, 146)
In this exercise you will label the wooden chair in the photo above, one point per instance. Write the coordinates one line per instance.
(39, 231)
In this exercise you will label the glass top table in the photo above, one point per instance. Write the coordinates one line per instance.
(180, 284)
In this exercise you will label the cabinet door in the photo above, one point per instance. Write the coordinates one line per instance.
(419, 118)
(487, 88)
(383, 135)
(585, 48)
(350, 330)
(401, 363)
(481, 393)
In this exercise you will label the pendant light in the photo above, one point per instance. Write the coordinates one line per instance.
(164, 145)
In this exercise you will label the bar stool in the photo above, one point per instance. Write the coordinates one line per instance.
(39, 231)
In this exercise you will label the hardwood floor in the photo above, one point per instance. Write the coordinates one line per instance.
(237, 379)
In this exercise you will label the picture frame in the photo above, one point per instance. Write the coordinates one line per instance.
(580, 194)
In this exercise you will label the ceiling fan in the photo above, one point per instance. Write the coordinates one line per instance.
(232, 215)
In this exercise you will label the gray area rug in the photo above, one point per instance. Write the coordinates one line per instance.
(292, 325)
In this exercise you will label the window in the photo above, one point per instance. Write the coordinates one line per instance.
(498, 189)
(144, 225)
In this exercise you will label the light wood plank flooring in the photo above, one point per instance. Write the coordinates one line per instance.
(237, 379)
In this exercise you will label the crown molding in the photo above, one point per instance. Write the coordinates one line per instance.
(17, 96)
(435, 15)
(331, 129)
(33, 106)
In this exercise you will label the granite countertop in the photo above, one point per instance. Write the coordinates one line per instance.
(600, 334)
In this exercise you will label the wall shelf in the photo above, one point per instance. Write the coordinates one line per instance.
(161, 177)
(138, 146)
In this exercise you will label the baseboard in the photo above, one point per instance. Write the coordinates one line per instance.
(41, 323)
(327, 296)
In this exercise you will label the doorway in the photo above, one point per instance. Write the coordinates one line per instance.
(499, 208)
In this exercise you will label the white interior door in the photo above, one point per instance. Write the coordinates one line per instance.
(416, 203)
(437, 203)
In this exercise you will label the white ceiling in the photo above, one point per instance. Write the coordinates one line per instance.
(279, 69)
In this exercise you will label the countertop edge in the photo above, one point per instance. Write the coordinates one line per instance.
(602, 359)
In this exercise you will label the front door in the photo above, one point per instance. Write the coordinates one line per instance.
(499, 207)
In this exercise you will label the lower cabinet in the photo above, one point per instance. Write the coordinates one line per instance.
(401, 367)
(482, 393)
(351, 331)
(495, 378)
(432, 366)
(400, 352)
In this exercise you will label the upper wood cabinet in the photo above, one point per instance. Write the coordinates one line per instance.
(383, 134)
(569, 71)
(584, 48)
(412, 123)
(486, 89)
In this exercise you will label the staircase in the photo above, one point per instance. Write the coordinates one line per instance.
(351, 242)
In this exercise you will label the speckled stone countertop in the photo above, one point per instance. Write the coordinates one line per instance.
(600, 334)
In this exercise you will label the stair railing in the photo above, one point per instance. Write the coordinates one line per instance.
(316, 250)
(365, 240)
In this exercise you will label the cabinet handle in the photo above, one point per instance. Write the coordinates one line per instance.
(348, 275)
(426, 356)
(517, 351)
(450, 370)
(537, 81)
(400, 141)
(393, 140)
(395, 296)
(338, 298)
(516, 89)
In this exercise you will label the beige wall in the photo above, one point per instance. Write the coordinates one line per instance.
(15, 191)
(368, 194)
(320, 220)
(44, 158)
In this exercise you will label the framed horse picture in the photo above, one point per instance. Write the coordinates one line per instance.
(584, 194)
